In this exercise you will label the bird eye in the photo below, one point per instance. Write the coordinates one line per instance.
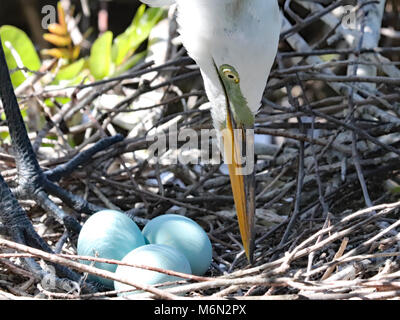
(231, 75)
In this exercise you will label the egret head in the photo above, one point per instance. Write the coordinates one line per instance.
(236, 132)
(230, 81)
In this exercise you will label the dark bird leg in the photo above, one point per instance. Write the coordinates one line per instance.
(33, 183)
(20, 229)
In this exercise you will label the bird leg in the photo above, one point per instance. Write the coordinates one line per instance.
(34, 183)
(20, 229)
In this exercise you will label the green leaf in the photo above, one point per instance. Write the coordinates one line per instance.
(329, 57)
(121, 48)
(139, 30)
(70, 71)
(139, 14)
(147, 21)
(5, 137)
(62, 100)
(24, 49)
(128, 64)
(100, 56)
(24, 113)
(395, 190)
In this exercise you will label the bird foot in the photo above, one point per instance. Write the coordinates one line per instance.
(36, 185)
(16, 225)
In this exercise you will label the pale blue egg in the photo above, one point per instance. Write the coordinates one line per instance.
(152, 255)
(108, 234)
(183, 234)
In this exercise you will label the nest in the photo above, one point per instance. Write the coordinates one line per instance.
(327, 188)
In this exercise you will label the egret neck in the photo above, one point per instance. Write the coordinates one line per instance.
(234, 42)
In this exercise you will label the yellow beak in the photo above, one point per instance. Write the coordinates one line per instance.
(242, 182)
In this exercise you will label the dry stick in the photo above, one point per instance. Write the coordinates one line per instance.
(8, 296)
(314, 286)
(320, 66)
(363, 245)
(16, 269)
(334, 106)
(121, 106)
(364, 257)
(312, 254)
(159, 197)
(309, 53)
(198, 184)
(375, 21)
(290, 12)
(300, 174)
(57, 294)
(300, 42)
(333, 78)
(260, 280)
(133, 265)
(386, 208)
(272, 183)
(225, 292)
(359, 248)
(222, 282)
(308, 111)
(284, 190)
(355, 153)
(338, 254)
(103, 198)
(84, 268)
(136, 72)
(287, 33)
(133, 181)
(161, 188)
(316, 165)
(354, 128)
(321, 198)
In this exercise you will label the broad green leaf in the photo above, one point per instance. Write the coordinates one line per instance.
(24, 113)
(121, 48)
(70, 71)
(146, 22)
(62, 100)
(128, 64)
(24, 49)
(395, 190)
(5, 137)
(100, 56)
(329, 57)
(139, 30)
(81, 78)
(139, 14)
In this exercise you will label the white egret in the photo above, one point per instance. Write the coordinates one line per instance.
(234, 42)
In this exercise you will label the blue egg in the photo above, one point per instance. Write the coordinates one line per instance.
(152, 255)
(183, 234)
(108, 234)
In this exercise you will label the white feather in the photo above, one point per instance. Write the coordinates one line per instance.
(242, 33)
(158, 3)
